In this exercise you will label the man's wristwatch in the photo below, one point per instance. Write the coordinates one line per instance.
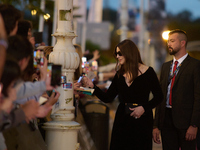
(4, 43)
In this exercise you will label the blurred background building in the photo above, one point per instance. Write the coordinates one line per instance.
(97, 24)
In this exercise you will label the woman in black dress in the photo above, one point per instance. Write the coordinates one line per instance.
(133, 82)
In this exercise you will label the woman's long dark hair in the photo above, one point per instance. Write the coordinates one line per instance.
(78, 71)
(132, 58)
(11, 72)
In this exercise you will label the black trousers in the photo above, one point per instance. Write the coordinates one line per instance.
(172, 137)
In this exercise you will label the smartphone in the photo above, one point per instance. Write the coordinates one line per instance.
(34, 61)
(63, 79)
(55, 75)
(84, 60)
(80, 78)
(50, 92)
(38, 58)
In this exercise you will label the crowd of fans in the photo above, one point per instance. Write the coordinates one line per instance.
(21, 86)
(20, 93)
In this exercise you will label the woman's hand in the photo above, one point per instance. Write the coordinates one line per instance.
(43, 70)
(53, 98)
(86, 82)
(30, 109)
(137, 112)
(7, 103)
(3, 34)
(46, 108)
(32, 41)
(43, 110)
(76, 87)
(44, 76)
(96, 55)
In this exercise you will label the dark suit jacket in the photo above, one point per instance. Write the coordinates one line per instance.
(185, 95)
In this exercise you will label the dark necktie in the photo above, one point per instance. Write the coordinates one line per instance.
(172, 83)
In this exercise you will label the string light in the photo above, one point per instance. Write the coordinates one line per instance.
(33, 12)
(46, 16)
(165, 35)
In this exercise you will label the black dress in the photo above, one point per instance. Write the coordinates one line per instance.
(129, 133)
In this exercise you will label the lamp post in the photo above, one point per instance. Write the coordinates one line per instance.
(124, 20)
(62, 131)
(53, 39)
(41, 20)
(141, 34)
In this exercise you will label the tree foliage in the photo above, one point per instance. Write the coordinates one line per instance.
(25, 5)
(183, 20)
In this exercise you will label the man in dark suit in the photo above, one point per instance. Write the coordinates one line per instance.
(178, 116)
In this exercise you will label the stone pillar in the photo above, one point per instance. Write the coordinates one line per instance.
(62, 131)
(124, 20)
(41, 20)
(55, 17)
(141, 34)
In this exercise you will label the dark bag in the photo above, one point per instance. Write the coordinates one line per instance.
(131, 105)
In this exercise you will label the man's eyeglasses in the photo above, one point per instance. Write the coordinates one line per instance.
(119, 53)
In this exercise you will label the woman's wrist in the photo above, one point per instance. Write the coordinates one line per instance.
(94, 86)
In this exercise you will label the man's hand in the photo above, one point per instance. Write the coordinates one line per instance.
(156, 135)
(191, 133)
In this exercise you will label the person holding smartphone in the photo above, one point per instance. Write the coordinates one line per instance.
(26, 90)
